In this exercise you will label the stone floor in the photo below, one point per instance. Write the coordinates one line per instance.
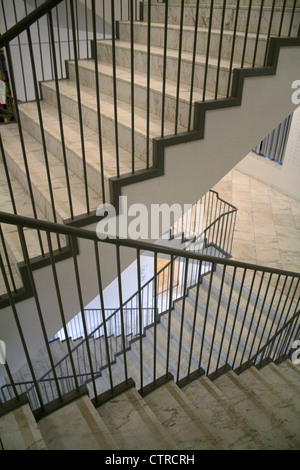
(268, 222)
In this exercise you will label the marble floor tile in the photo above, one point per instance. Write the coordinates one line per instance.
(267, 229)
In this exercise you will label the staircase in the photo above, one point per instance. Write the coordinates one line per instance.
(214, 402)
(258, 409)
(194, 376)
(71, 152)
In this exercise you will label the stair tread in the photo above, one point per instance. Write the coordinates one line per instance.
(76, 426)
(133, 424)
(38, 175)
(73, 141)
(19, 430)
(199, 29)
(255, 411)
(217, 411)
(88, 100)
(140, 79)
(181, 419)
(172, 53)
(266, 389)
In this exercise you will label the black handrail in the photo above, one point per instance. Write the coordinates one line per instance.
(27, 21)
(28, 222)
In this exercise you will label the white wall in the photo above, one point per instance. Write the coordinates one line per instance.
(283, 177)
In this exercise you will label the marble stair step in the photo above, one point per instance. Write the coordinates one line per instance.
(214, 329)
(158, 33)
(38, 175)
(216, 410)
(20, 431)
(158, 15)
(162, 340)
(133, 424)
(123, 51)
(289, 373)
(123, 76)
(181, 418)
(69, 104)
(148, 357)
(286, 409)
(252, 408)
(133, 368)
(258, 317)
(286, 296)
(76, 426)
(74, 150)
(10, 232)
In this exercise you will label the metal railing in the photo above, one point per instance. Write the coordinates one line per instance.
(238, 309)
(210, 221)
(60, 32)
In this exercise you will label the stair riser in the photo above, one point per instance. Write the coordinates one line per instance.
(156, 67)
(140, 95)
(158, 14)
(157, 39)
(70, 107)
(74, 159)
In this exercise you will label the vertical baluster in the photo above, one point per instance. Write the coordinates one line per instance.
(41, 123)
(193, 65)
(38, 307)
(115, 85)
(285, 317)
(61, 308)
(164, 69)
(62, 137)
(207, 49)
(226, 317)
(292, 18)
(246, 34)
(235, 318)
(100, 289)
(282, 17)
(21, 55)
(195, 320)
(206, 314)
(216, 320)
(9, 185)
(148, 84)
(269, 31)
(79, 109)
(179, 66)
(78, 287)
(233, 46)
(132, 83)
(24, 154)
(59, 43)
(169, 316)
(7, 261)
(182, 317)
(40, 45)
(121, 310)
(257, 33)
(155, 316)
(220, 49)
(97, 84)
(140, 319)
